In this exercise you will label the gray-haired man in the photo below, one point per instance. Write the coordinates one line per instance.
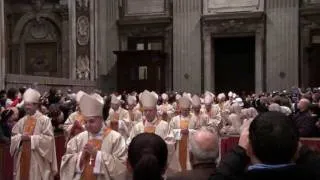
(204, 151)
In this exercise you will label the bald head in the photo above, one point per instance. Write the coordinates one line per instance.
(303, 104)
(204, 146)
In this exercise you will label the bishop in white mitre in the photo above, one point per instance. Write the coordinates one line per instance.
(166, 110)
(118, 119)
(201, 119)
(181, 126)
(151, 123)
(212, 110)
(98, 153)
(135, 115)
(75, 122)
(32, 143)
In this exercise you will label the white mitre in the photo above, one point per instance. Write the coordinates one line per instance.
(178, 96)
(91, 105)
(155, 95)
(149, 100)
(164, 96)
(132, 100)
(184, 102)
(221, 96)
(98, 97)
(31, 96)
(79, 96)
(143, 94)
(208, 99)
(196, 102)
(115, 99)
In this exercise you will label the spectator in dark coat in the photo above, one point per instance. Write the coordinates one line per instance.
(204, 151)
(272, 144)
(8, 119)
(304, 120)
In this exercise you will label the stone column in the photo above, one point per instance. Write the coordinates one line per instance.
(259, 71)
(65, 42)
(187, 45)
(72, 39)
(2, 46)
(208, 69)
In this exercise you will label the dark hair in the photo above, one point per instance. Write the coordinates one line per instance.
(274, 138)
(12, 92)
(22, 90)
(147, 155)
(5, 115)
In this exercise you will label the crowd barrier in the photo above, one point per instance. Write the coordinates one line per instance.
(226, 144)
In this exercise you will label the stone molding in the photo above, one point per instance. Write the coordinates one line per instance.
(309, 21)
(233, 25)
(229, 6)
(124, 9)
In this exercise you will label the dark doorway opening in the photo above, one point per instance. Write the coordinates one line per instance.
(142, 66)
(314, 65)
(234, 64)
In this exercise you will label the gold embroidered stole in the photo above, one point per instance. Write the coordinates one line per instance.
(150, 128)
(131, 115)
(114, 123)
(183, 145)
(25, 158)
(87, 173)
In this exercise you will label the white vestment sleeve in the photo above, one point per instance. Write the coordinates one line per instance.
(177, 134)
(97, 165)
(78, 168)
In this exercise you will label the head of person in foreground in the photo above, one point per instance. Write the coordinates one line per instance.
(147, 157)
(273, 139)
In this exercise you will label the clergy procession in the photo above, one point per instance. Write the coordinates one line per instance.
(148, 135)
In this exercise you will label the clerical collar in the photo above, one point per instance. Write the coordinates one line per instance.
(35, 114)
(99, 134)
(152, 122)
(117, 111)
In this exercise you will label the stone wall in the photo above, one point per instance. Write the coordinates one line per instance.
(282, 41)
(187, 45)
(223, 6)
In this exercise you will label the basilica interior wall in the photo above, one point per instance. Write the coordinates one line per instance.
(71, 43)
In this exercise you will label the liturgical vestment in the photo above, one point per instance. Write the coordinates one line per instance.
(34, 159)
(162, 129)
(109, 161)
(177, 124)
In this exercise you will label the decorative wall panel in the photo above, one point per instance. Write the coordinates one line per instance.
(220, 6)
(145, 6)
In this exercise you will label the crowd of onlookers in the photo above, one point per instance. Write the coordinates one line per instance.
(302, 106)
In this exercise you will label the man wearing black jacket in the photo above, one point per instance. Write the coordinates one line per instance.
(269, 150)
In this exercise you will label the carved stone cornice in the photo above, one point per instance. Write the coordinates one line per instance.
(252, 16)
(140, 20)
(145, 30)
(63, 11)
(233, 22)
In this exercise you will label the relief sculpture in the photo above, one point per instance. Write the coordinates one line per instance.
(83, 67)
(83, 30)
(83, 3)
